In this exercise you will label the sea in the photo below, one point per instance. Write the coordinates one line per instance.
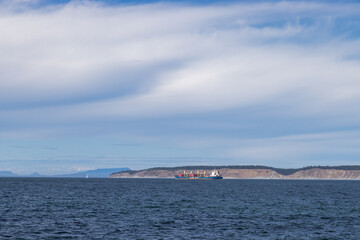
(55, 208)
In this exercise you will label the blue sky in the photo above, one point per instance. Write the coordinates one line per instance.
(97, 84)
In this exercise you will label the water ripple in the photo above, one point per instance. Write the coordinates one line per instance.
(35, 208)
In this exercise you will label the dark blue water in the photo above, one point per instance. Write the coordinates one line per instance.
(35, 208)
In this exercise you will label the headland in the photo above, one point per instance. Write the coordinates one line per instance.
(348, 172)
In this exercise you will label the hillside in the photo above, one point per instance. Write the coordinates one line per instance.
(7, 174)
(252, 172)
(97, 173)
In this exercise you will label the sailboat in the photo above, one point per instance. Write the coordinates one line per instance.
(87, 176)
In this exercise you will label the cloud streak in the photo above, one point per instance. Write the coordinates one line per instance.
(208, 57)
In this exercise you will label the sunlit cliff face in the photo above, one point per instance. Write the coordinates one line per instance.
(228, 173)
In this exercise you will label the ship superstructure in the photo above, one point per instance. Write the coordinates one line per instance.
(199, 175)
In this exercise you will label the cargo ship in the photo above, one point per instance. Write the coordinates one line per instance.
(204, 175)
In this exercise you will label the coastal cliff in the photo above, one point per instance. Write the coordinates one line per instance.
(252, 172)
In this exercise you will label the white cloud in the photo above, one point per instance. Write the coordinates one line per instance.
(84, 60)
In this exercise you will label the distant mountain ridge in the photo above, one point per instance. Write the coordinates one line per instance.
(252, 171)
(7, 174)
(97, 173)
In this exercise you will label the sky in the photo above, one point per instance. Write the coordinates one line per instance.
(138, 84)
